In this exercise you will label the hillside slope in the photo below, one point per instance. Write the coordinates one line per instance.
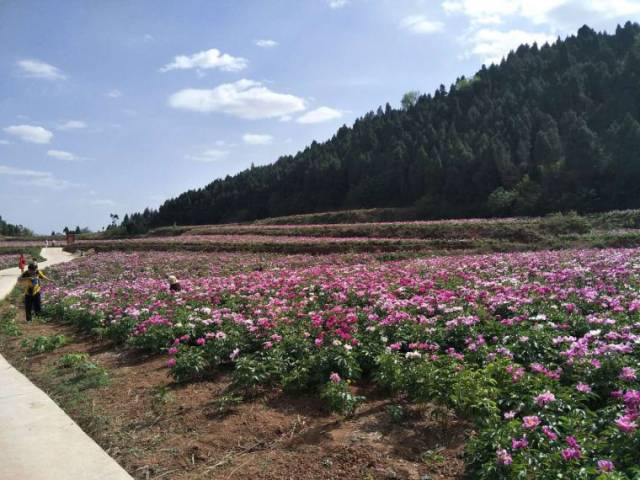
(551, 128)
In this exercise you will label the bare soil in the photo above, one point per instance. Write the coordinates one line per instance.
(157, 429)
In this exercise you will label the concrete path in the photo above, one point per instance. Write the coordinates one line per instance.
(38, 441)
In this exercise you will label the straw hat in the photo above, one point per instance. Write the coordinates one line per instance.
(172, 279)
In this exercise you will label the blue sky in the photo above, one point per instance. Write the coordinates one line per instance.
(115, 105)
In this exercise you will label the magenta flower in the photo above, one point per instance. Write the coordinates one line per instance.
(171, 362)
(335, 378)
(551, 435)
(545, 398)
(626, 423)
(172, 351)
(583, 388)
(570, 453)
(605, 466)
(572, 442)
(201, 341)
(519, 443)
(531, 422)
(628, 374)
(504, 458)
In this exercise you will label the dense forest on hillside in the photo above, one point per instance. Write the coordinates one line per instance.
(9, 230)
(552, 128)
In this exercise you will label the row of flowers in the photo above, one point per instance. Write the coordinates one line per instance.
(541, 351)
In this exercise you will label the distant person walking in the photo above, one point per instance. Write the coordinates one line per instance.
(22, 263)
(30, 281)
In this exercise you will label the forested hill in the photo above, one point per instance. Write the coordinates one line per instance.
(551, 128)
(9, 230)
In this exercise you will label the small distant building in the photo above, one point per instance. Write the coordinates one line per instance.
(71, 238)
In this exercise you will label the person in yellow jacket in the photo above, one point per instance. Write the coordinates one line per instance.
(30, 281)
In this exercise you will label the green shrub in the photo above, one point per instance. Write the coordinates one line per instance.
(73, 360)
(8, 324)
(397, 413)
(564, 223)
(84, 374)
(225, 404)
(189, 364)
(43, 344)
(339, 397)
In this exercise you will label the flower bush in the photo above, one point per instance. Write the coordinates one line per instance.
(541, 351)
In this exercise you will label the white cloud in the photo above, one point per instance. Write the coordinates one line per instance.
(420, 24)
(35, 178)
(208, 156)
(538, 11)
(102, 202)
(38, 69)
(19, 172)
(245, 99)
(50, 182)
(30, 133)
(319, 115)
(62, 155)
(492, 45)
(614, 8)
(266, 43)
(72, 125)
(494, 11)
(115, 93)
(207, 59)
(257, 139)
(338, 3)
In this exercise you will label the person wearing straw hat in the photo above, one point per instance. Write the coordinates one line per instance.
(174, 284)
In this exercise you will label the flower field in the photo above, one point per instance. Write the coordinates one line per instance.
(9, 256)
(540, 351)
(8, 260)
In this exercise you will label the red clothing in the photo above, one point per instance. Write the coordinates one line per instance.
(22, 263)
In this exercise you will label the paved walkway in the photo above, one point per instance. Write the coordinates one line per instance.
(38, 441)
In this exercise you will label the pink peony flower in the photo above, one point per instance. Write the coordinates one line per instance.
(531, 422)
(172, 351)
(519, 443)
(544, 398)
(171, 362)
(605, 466)
(201, 341)
(335, 378)
(626, 424)
(583, 388)
(551, 435)
(570, 454)
(628, 374)
(503, 457)
(572, 442)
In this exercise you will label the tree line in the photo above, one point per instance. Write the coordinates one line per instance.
(10, 230)
(551, 128)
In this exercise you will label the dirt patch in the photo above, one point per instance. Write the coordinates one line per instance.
(157, 429)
